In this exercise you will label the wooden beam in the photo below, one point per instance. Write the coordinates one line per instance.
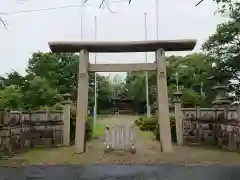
(122, 67)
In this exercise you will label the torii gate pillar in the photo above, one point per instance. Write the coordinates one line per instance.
(82, 101)
(162, 103)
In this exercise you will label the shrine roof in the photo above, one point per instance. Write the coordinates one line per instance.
(121, 99)
(122, 46)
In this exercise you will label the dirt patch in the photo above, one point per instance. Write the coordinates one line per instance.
(119, 120)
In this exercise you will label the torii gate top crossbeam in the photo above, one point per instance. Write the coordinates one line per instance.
(121, 46)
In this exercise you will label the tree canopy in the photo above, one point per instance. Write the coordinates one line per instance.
(49, 76)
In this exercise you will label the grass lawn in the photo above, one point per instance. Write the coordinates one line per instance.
(145, 134)
(102, 116)
(98, 131)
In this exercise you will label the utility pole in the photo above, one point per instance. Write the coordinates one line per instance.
(82, 17)
(95, 78)
(177, 84)
(157, 20)
(146, 73)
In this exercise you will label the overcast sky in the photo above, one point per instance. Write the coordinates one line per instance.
(29, 32)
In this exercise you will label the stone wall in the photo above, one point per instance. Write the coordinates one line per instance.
(21, 130)
(211, 126)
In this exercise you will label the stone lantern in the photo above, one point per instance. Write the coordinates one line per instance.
(236, 105)
(221, 87)
(171, 107)
(178, 116)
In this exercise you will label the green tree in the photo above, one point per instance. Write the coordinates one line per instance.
(60, 70)
(12, 78)
(39, 93)
(104, 92)
(223, 47)
(11, 97)
(192, 72)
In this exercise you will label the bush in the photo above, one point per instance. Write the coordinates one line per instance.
(151, 124)
(88, 127)
(146, 124)
(1, 156)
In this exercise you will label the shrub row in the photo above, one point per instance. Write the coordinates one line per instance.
(151, 124)
(88, 129)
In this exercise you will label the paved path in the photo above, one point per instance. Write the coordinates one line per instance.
(122, 172)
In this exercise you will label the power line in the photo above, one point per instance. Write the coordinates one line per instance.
(56, 8)
(48, 9)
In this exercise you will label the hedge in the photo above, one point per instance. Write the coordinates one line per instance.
(151, 124)
(88, 129)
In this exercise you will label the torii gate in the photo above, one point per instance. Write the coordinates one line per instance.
(85, 67)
